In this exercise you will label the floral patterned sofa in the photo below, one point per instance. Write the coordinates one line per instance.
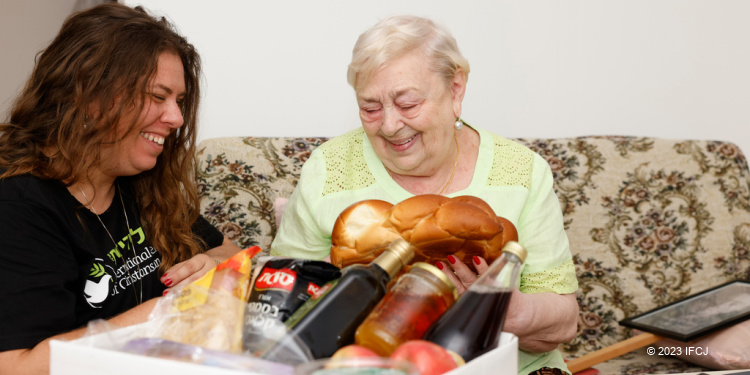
(649, 220)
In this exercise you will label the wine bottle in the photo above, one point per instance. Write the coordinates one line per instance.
(472, 326)
(328, 321)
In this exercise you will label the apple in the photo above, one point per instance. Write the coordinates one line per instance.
(353, 351)
(428, 357)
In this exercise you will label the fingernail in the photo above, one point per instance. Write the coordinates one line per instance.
(476, 260)
(452, 259)
(168, 282)
(164, 277)
(165, 293)
(439, 265)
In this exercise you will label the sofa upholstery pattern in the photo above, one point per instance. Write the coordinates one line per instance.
(649, 220)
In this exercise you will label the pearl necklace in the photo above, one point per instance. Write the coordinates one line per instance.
(130, 237)
(453, 171)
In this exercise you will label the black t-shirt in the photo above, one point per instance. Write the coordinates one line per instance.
(60, 269)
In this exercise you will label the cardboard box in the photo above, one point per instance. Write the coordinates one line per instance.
(94, 355)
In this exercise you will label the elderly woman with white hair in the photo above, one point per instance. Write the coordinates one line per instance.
(410, 78)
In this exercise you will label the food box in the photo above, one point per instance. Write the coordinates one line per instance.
(95, 355)
(501, 360)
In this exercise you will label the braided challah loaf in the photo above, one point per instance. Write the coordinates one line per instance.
(436, 225)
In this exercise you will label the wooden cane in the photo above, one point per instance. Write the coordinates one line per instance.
(612, 351)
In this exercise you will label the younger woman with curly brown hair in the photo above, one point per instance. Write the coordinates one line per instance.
(98, 209)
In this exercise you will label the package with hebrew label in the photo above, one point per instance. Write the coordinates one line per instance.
(281, 286)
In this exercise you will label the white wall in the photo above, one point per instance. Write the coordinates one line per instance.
(669, 68)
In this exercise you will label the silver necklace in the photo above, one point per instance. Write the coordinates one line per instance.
(130, 238)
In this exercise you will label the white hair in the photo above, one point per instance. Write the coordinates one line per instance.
(396, 36)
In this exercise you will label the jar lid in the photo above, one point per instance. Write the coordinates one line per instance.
(516, 249)
(439, 274)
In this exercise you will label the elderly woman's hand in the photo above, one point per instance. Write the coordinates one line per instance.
(538, 331)
(460, 274)
(186, 272)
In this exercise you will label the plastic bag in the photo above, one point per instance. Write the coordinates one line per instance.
(209, 312)
(105, 335)
(160, 348)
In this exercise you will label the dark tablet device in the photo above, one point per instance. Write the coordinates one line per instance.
(697, 315)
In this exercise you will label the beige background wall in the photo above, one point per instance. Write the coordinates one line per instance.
(545, 68)
(27, 26)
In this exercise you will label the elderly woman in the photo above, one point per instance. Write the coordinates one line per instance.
(410, 79)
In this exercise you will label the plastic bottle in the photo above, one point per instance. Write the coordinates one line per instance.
(416, 301)
(472, 326)
(328, 321)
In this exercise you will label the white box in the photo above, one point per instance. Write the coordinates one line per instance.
(93, 355)
(502, 360)
(96, 355)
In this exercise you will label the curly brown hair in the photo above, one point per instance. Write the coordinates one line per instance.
(104, 57)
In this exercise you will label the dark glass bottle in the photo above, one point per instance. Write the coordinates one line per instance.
(328, 321)
(472, 326)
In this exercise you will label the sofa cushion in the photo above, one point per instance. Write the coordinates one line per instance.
(650, 221)
(240, 178)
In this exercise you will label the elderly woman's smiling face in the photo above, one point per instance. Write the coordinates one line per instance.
(408, 111)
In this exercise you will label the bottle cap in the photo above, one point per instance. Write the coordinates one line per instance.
(439, 274)
(516, 249)
(398, 254)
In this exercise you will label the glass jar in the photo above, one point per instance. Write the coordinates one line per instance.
(416, 300)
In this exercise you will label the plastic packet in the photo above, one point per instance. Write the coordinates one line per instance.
(208, 312)
(160, 348)
(98, 327)
(280, 287)
(105, 335)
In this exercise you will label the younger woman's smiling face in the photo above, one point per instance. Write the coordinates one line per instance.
(138, 150)
(408, 111)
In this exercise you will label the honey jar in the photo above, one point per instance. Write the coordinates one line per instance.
(416, 300)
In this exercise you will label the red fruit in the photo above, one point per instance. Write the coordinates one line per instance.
(353, 351)
(428, 357)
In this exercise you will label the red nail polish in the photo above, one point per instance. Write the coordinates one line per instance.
(168, 282)
(452, 259)
(476, 260)
(164, 277)
(165, 293)
(439, 265)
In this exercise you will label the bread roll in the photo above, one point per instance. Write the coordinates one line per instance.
(437, 226)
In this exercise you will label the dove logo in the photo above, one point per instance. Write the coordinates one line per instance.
(98, 285)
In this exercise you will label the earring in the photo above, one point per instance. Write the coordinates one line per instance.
(459, 123)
